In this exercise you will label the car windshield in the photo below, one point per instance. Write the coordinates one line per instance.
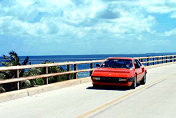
(118, 63)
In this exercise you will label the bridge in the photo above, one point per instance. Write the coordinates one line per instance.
(155, 99)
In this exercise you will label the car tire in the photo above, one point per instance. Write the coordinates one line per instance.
(143, 81)
(133, 86)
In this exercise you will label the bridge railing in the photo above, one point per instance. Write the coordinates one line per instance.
(153, 60)
(145, 60)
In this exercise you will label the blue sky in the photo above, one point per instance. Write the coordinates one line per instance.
(72, 27)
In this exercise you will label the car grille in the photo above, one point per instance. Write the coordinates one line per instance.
(109, 80)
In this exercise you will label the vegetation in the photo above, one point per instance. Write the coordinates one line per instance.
(14, 60)
(39, 71)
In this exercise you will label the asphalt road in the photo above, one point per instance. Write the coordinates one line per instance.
(156, 99)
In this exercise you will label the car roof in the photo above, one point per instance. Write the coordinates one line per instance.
(129, 58)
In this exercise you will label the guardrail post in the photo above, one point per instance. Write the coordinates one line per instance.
(18, 83)
(153, 60)
(162, 59)
(166, 59)
(147, 61)
(75, 74)
(68, 69)
(46, 71)
(170, 58)
(139, 59)
(91, 66)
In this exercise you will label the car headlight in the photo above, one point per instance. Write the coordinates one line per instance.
(96, 78)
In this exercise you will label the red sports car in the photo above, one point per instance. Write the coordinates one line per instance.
(119, 71)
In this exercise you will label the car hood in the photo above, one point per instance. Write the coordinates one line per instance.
(113, 72)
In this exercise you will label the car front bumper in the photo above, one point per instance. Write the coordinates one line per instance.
(113, 84)
(114, 81)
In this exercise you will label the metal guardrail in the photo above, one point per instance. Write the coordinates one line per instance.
(145, 60)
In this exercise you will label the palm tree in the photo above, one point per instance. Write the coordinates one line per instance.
(38, 71)
(12, 60)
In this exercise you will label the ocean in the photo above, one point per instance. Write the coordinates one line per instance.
(67, 58)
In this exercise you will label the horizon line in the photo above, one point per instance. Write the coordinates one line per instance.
(99, 54)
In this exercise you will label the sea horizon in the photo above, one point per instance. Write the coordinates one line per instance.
(38, 59)
(160, 53)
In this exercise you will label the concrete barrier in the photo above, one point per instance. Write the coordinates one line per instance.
(44, 88)
(40, 89)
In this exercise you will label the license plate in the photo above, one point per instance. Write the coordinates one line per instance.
(122, 79)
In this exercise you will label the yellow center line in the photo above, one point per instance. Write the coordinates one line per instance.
(120, 98)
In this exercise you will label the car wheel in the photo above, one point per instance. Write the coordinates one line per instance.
(143, 81)
(134, 83)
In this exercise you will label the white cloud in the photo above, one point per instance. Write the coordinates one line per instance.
(55, 18)
(25, 3)
(173, 15)
(171, 32)
(80, 21)
(160, 9)
(158, 6)
(172, 1)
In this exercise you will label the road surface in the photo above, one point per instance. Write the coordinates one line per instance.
(156, 99)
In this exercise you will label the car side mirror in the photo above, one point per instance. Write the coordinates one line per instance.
(97, 65)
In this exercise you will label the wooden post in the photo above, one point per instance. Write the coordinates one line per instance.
(75, 74)
(147, 61)
(46, 70)
(141, 60)
(166, 59)
(162, 60)
(154, 60)
(170, 58)
(68, 69)
(91, 66)
(18, 83)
